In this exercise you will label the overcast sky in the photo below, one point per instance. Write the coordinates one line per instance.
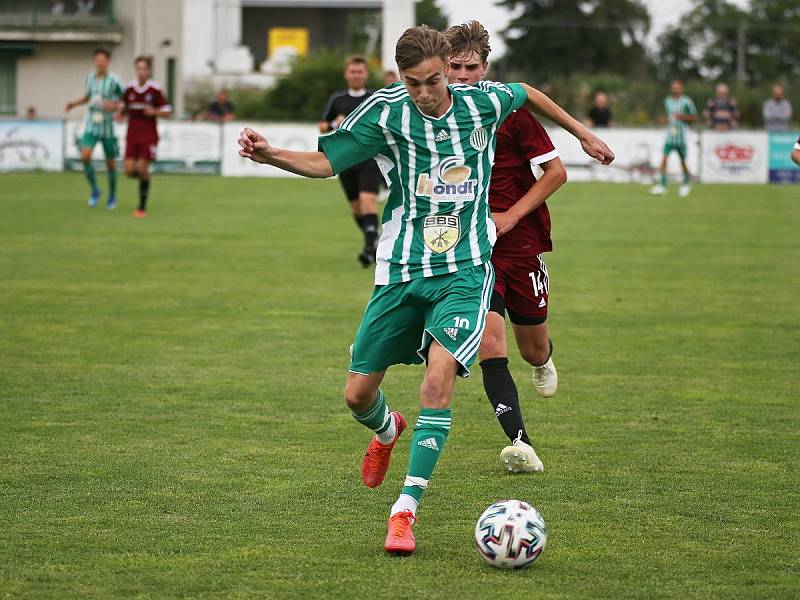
(663, 13)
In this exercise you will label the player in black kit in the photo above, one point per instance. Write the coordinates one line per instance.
(361, 182)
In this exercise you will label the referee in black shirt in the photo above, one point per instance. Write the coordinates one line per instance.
(360, 182)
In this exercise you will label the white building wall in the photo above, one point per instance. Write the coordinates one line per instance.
(398, 15)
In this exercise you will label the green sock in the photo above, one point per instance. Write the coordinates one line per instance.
(112, 184)
(377, 416)
(664, 179)
(88, 170)
(686, 179)
(427, 444)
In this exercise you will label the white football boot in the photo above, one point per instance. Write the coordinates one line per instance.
(684, 190)
(545, 379)
(521, 458)
(658, 190)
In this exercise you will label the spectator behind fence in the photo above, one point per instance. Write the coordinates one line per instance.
(600, 113)
(220, 110)
(721, 112)
(31, 114)
(777, 110)
(390, 77)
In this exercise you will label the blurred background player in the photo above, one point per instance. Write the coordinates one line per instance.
(143, 101)
(680, 111)
(522, 219)
(721, 111)
(361, 183)
(796, 152)
(103, 93)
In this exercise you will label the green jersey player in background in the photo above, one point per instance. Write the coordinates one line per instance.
(680, 111)
(103, 94)
(433, 279)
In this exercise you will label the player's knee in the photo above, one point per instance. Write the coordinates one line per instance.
(435, 391)
(535, 355)
(131, 171)
(492, 346)
(357, 397)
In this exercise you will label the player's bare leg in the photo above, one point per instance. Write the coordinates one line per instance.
(91, 177)
(130, 168)
(519, 455)
(535, 348)
(427, 443)
(368, 211)
(660, 188)
(111, 172)
(366, 400)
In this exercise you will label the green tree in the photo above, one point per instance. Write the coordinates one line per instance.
(430, 13)
(773, 38)
(548, 39)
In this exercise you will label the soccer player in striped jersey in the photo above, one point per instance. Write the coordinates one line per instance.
(144, 101)
(433, 279)
(517, 201)
(103, 93)
(680, 111)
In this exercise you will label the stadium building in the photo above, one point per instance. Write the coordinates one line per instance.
(46, 45)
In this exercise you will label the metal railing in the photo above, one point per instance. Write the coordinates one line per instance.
(57, 13)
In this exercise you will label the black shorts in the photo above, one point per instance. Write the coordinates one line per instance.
(363, 177)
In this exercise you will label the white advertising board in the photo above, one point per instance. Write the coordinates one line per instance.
(182, 147)
(638, 155)
(735, 157)
(300, 137)
(31, 145)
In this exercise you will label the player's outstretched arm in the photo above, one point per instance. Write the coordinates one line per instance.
(308, 164)
(553, 177)
(541, 104)
(82, 100)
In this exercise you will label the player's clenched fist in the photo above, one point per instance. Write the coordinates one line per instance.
(255, 146)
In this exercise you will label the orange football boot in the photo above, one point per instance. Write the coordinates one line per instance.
(376, 460)
(400, 538)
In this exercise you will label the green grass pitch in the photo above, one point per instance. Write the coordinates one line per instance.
(172, 423)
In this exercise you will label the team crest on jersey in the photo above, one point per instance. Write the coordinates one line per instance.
(454, 184)
(441, 232)
(479, 139)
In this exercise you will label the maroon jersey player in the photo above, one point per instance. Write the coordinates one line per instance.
(144, 101)
(522, 284)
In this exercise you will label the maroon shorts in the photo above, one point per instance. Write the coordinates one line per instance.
(521, 288)
(137, 147)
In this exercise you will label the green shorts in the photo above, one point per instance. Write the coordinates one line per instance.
(679, 148)
(402, 319)
(110, 146)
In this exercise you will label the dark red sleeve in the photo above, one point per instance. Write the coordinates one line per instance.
(159, 98)
(531, 137)
(125, 95)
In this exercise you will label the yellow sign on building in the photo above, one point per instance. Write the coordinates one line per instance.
(293, 39)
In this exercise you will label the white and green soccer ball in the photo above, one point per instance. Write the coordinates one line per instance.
(510, 534)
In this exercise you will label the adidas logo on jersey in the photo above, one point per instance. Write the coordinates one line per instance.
(429, 443)
(442, 136)
(542, 303)
(501, 409)
(452, 332)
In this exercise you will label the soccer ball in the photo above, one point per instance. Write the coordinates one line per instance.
(510, 534)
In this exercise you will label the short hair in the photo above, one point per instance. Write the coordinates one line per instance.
(148, 60)
(418, 44)
(104, 51)
(469, 37)
(356, 59)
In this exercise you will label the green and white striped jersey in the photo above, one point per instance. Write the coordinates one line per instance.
(100, 122)
(676, 129)
(437, 218)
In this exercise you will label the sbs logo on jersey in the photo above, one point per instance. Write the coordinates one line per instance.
(479, 139)
(453, 182)
(441, 232)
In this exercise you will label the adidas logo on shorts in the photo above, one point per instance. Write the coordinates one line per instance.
(452, 332)
(429, 443)
(501, 409)
(542, 303)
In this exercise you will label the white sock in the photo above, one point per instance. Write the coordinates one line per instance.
(404, 502)
(387, 436)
